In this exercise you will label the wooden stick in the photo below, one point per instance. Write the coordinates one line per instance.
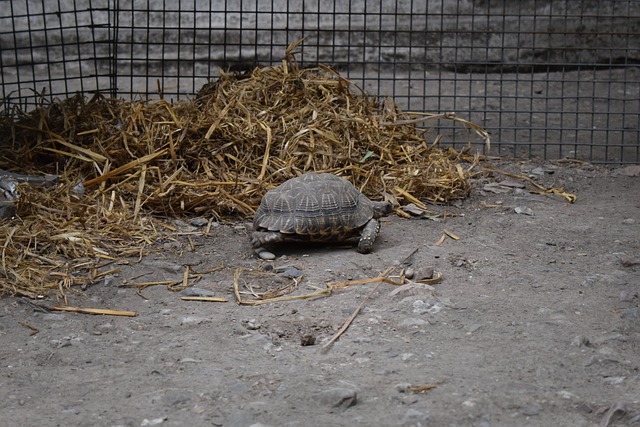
(84, 310)
(210, 299)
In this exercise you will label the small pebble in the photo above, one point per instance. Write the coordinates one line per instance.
(414, 417)
(196, 292)
(403, 387)
(614, 380)
(409, 273)
(307, 339)
(580, 341)
(199, 222)
(293, 273)
(628, 221)
(412, 322)
(266, 255)
(153, 422)
(252, 325)
(283, 268)
(339, 397)
(523, 211)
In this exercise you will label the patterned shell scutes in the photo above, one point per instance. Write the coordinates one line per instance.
(314, 205)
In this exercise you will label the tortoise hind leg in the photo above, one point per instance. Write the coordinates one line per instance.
(261, 238)
(368, 236)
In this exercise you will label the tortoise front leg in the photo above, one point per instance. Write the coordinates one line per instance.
(259, 239)
(368, 236)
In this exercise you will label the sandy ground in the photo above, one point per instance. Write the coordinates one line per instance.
(535, 323)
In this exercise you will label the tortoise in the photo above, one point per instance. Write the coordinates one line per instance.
(316, 208)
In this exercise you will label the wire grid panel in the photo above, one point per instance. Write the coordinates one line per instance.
(547, 78)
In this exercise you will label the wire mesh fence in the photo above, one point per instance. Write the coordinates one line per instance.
(550, 79)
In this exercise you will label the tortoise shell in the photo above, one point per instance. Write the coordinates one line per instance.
(317, 206)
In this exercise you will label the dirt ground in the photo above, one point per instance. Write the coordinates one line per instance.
(535, 323)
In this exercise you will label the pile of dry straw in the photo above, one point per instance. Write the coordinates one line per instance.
(213, 156)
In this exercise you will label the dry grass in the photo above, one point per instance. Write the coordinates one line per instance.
(215, 155)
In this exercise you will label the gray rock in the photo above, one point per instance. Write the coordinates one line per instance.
(628, 295)
(242, 418)
(199, 222)
(293, 273)
(165, 265)
(413, 417)
(524, 211)
(193, 320)
(580, 340)
(196, 292)
(252, 324)
(152, 422)
(176, 397)
(412, 322)
(531, 409)
(53, 317)
(403, 387)
(339, 397)
(609, 337)
(266, 255)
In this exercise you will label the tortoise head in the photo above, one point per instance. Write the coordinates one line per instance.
(381, 209)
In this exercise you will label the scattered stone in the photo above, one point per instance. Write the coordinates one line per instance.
(629, 262)
(523, 211)
(496, 188)
(609, 337)
(631, 316)
(614, 380)
(199, 222)
(633, 170)
(241, 418)
(252, 324)
(601, 361)
(474, 327)
(307, 339)
(189, 360)
(53, 317)
(293, 273)
(567, 395)
(628, 295)
(403, 387)
(415, 417)
(104, 327)
(196, 292)
(413, 289)
(615, 412)
(511, 184)
(409, 273)
(580, 340)
(531, 410)
(585, 407)
(413, 209)
(541, 171)
(183, 226)
(260, 339)
(153, 422)
(601, 279)
(283, 268)
(628, 221)
(339, 397)
(176, 397)
(266, 255)
(193, 320)
(420, 273)
(165, 265)
(420, 307)
(411, 322)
